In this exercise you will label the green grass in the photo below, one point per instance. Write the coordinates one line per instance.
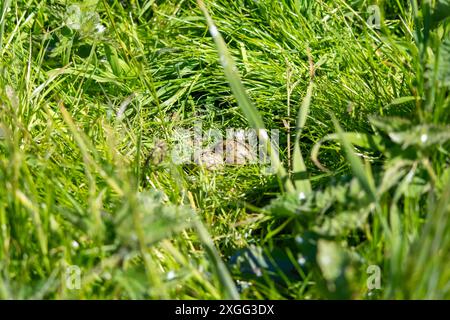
(88, 118)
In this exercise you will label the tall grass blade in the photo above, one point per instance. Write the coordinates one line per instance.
(355, 163)
(4, 10)
(302, 183)
(220, 268)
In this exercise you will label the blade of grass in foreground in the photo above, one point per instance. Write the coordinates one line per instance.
(364, 178)
(244, 102)
(302, 184)
(355, 163)
(222, 271)
(4, 9)
(431, 252)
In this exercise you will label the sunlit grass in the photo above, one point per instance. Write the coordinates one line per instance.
(88, 92)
